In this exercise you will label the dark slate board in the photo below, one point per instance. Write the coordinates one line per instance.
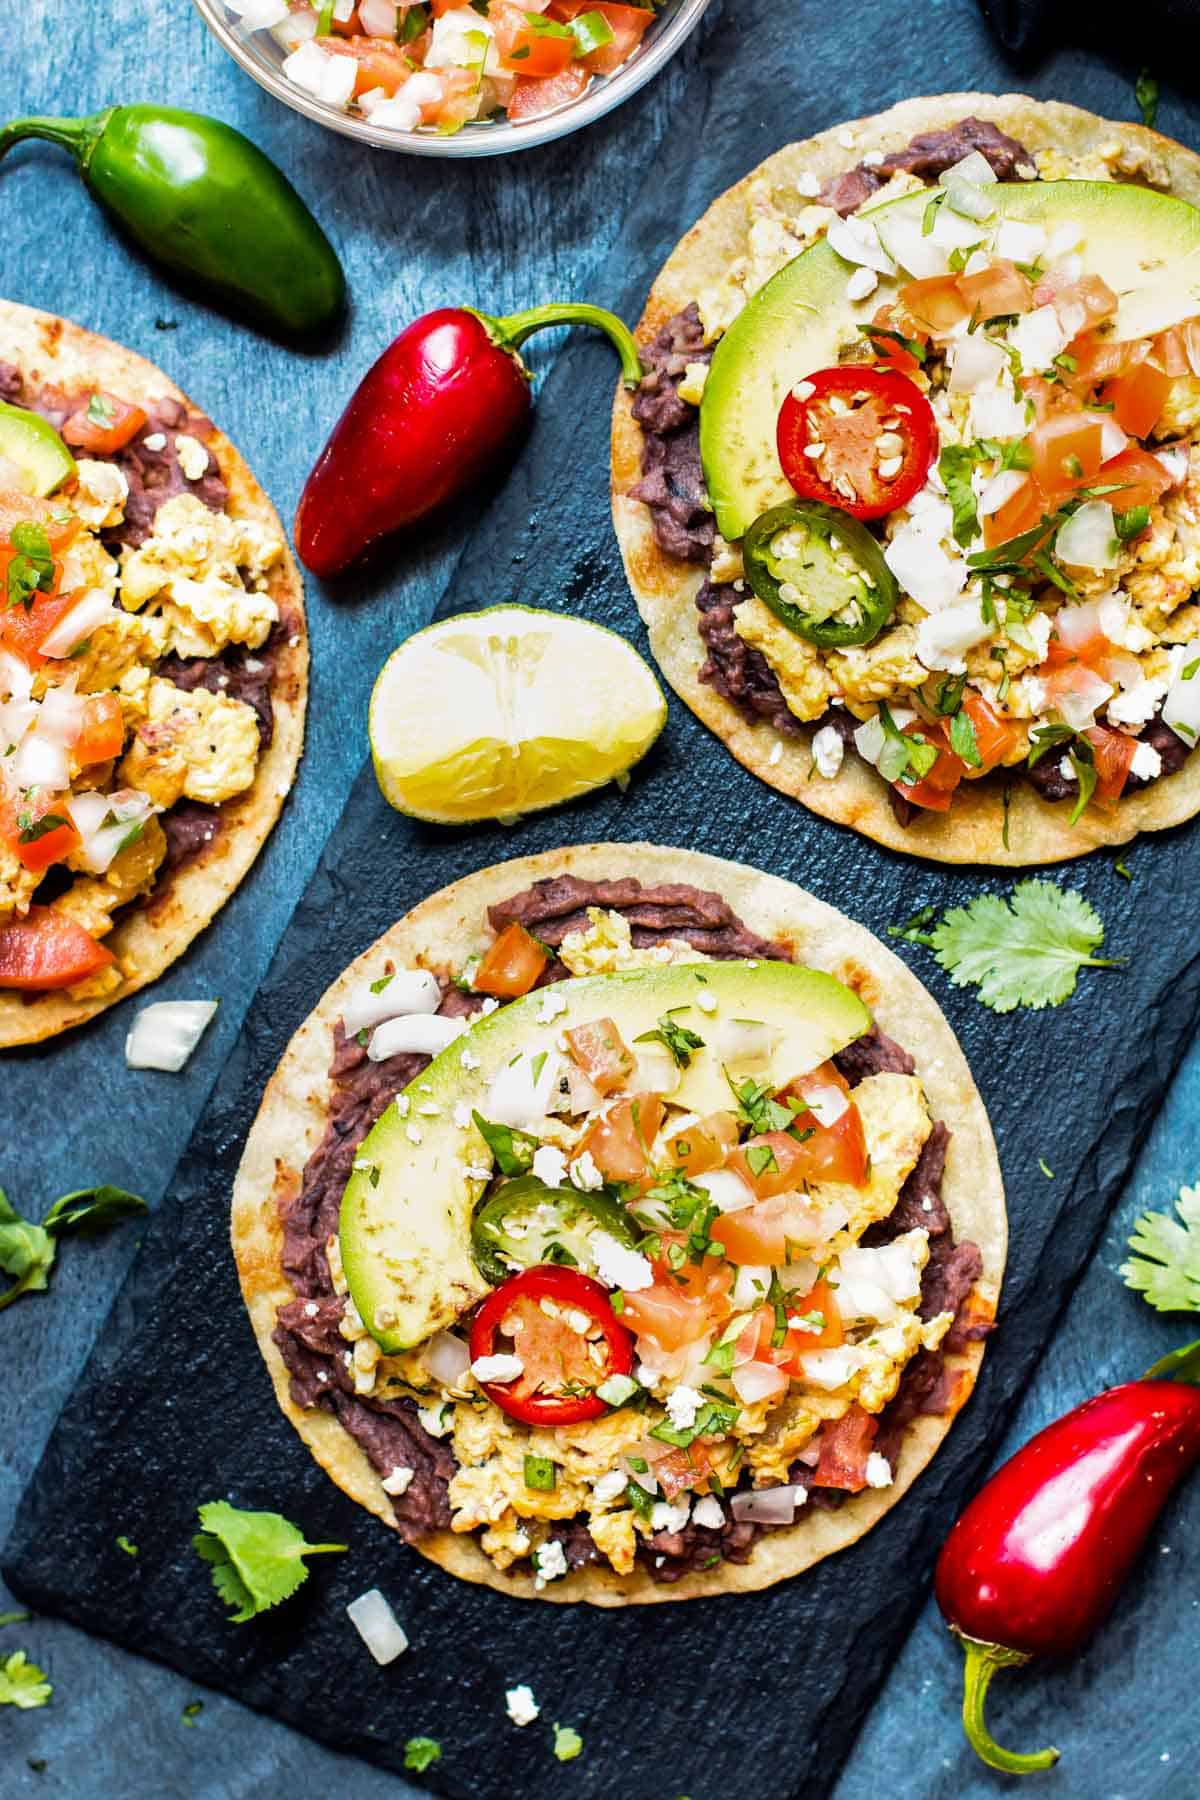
(175, 1406)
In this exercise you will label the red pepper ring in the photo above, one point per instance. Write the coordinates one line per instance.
(1035, 1561)
(549, 1345)
(877, 445)
(427, 420)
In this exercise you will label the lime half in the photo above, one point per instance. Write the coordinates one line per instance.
(493, 714)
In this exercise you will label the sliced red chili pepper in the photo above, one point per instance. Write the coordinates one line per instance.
(562, 1365)
(875, 433)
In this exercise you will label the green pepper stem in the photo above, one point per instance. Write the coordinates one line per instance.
(79, 136)
(512, 331)
(1180, 1365)
(982, 1662)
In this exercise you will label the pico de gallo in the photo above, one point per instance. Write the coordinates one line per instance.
(443, 64)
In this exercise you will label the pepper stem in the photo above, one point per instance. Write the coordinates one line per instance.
(511, 332)
(79, 136)
(1180, 1365)
(982, 1662)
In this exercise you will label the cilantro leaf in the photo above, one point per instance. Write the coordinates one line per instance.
(954, 466)
(419, 1752)
(256, 1557)
(1166, 1267)
(681, 1042)
(512, 1149)
(27, 1251)
(22, 1683)
(1145, 92)
(92, 1209)
(15, 1618)
(567, 1743)
(1024, 951)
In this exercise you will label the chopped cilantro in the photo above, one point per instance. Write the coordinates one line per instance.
(963, 741)
(22, 1683)
(954, 466)
(681, 1042)
(877, 335)
(15, 1618)
(512, 1149)
(1145, 92)
(1121, 868)
(760, 1159)
(1023, 951)
(913, 929)
(256, 1557)
(377, 987)
(1166, 1264)
(420, 1752)
(1044, 1166)
(192, 1711)
(640, 1499)
(27, 1251)
(567, 1743)
(906, 756)
(540, 1474)
(1131, 523)
(127, 1545)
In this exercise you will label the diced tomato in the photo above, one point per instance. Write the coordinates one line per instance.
(1140, 476)
(35, 847)
(704, 1146)
(1178, 349)
(103, 423)
(682, 1305)
(769, 1164)
(934, 791)
(627, 24)
(531, 98)
(845, 1447)
(619, 1140)
(819, 1302)
(522, 48)
(1077, 637)
(1066, 452)
(887, 351)
(936, 303)
(22, 631)
(1018, 514)
(1138, 398)
(61, 528)
(381, 64)
(764, 1232)
(683, 1470)
(599, 1050)
(994, 734)
(1113, 752)
(47, 950)
(511, 965)
(103, 731)
(1091, 292)
(1098, 357)
(835, 1152)
(1001, 288)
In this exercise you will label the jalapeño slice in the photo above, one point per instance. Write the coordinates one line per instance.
(820, 572)
(526, 1222)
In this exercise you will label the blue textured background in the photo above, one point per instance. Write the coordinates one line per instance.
(412, 235)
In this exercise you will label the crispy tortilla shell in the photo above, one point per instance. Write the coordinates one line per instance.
(150, 935)
(444, 930)
(972, 831)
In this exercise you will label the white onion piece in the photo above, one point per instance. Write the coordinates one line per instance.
(1000, 490)
(727, 1191)
(827, 1104)
(1112, 439)
(517, 1097)
(1174, 459)
(758, 1381)
(967, 198)
(60, 716)
(645, 1478)
(40, 762)
(746, 1043)
(418, 1034)
(101, 842)
(16, 718)
(1181, 708)
(911, 248)
(377, 1626)
(259, 15)
(378, 18)
(573, 1093)
(85, 616)
(298, 28)
(802, 1275)
(869, 737)
(16, 680)
(165, 1034)
(857, 241)
(1088, 539)
(1079, 708)
(975, 362)
(973, 168)
(447, 1358)
(830, 1369)
(407, 991)
(750, 1287)
(769, 1506)
(655, 1072)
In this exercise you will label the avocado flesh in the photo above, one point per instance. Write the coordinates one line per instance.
(30, 442)
(1145, 245)
(406, 1231)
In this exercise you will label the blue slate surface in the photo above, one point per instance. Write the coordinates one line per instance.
(522, 230)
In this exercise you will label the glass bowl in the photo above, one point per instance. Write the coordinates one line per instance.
(261, 57)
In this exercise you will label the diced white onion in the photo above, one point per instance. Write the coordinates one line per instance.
(800, 1275)
(60, 716)
(16, 678)
(40, 762)
(259, 15)
(1174, 459)
(101, 842)
(418, 1034)
(164, 1035)
(913, 249)
(758, 1381)
(973, 168)
(970, 200)
(1018, 242)
(1181, 709)
(830, 1369)
(827, 1104)
(447, 1358)
(377, 1626)
(1080, 706)
(727, 1191)
(407, 991)
(1000, 490)
(975, 361)
(378, 18)
(298, 28)
(746, 1043)
(1088, 539)
(769, 1506)
(750, 1287)
(519, 1098)
(84, 617)
(857, 241)
(655, 1071)
(869, 738)
(1038, 337)
(1112, 439)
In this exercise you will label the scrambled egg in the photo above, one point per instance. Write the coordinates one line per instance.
(607, 947)
(192, 568)
(801, 671)
(896, 1123)
(195, 746)
(866, 673)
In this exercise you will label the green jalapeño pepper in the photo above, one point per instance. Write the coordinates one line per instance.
(820, 572)
(202, 199)
(526, 1223)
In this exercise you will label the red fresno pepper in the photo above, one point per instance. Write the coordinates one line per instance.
(559, 1378)
(1035, 1562)
(437, 409)
(875, 432)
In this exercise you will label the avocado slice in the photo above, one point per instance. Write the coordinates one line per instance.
(33, 444)
(1145, 245)
(407, 1209)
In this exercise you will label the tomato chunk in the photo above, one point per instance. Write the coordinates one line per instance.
(511, 965)
(837, 1150)
(683, 1470)
(704, 1146)
(1113, 753)
(769, 1164)
(47, 950)
(22, 630)
(523, 48)
(16, 508)
(599, 1050)
(936, 302)
(1139, 477)
(627, 24)
(620, 1140)
(682, 1305)
(1001, 288)
(1138, 398)
(102, 732)
(994, 734)
(845, 1447)
(531, 98)
(1066, 452)
(103, 423)
(38, 831)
